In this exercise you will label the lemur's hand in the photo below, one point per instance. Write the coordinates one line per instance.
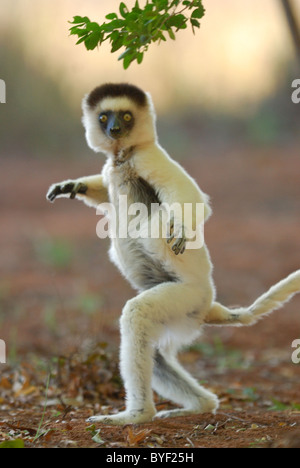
(71, 187)
(180, 243)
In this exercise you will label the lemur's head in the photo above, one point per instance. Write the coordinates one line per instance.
(117, 116)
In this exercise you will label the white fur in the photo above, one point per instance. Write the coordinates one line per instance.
(159, 320)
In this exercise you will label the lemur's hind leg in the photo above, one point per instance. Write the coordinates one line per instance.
(171, 381)
(157, 315)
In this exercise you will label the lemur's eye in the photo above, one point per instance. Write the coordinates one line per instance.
(103, 118)
(127, 116)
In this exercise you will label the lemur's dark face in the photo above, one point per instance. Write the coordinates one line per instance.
(116, 124)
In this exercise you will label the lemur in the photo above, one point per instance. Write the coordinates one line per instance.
(175, 290)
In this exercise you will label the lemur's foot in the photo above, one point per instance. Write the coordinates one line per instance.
(205, 405)
(124, 417)
(64, 188)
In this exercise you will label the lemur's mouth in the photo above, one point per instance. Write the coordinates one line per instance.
(115, 136)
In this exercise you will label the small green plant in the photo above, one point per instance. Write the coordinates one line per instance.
(280, 406)
(57, 253)
(137, 28)
(39, 432)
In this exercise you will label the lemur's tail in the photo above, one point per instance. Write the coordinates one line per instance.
(271, 300)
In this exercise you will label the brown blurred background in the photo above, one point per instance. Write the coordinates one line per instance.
(224, 107)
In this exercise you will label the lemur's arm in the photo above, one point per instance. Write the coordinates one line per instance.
(89, 189)
(170, 180)
(175, 187)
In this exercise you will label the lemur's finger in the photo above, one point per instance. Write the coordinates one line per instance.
(78, 187)
(67, 188)
(54, 192)
(175, 250)
(73, 194)
(179, 246)
(170, 238)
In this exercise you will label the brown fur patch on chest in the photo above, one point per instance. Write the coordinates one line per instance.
(140, 191)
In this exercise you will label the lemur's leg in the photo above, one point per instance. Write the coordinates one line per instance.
(155, 316)
(89, 189)
(170, 380)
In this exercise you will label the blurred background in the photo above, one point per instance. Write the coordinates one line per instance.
(224, 107)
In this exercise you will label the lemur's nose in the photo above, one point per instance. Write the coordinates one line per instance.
(114, 126)
(115, 130)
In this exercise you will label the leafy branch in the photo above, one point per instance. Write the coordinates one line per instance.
(136, 29)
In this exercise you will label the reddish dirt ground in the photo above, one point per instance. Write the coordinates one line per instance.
(60, 300)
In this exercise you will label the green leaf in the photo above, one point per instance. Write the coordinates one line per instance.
(149, 11)
(127, 60)
(128, 56)
(78, 31)
(95, 434)
(161, 4)
(123, 9)
(198, 13)
(111, 16)
(96, 438)
(114, 24)
(171, 34)
(160, 36)
(80, 19)
(92, 40)
(195, 23)
(130, 42)
(17, 443)
(93, 26)
(117, 44)
(178, 21)
(140, 57)
(82, 39)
